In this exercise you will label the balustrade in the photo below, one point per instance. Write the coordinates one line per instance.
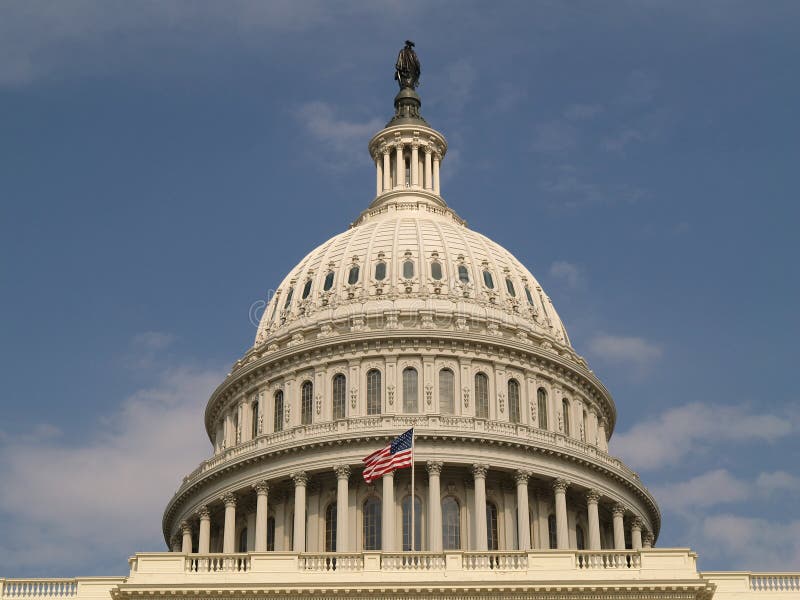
(769, 582)
(218, 563)
(503, 561)
(413, 561)
(331, 562)
(608, 559)
(40, 588)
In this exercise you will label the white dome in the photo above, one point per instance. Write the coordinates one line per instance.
(323, 290)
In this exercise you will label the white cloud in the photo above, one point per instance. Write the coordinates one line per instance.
(344, 139)
(709, 489)
(571, 189)
(670, 437)
(69, 501)
(567, 272)
(752, 543)
(633, 353)
(778, 481)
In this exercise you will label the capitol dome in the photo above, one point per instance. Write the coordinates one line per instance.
(409, 319)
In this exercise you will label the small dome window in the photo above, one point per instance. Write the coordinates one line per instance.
(463, 274)
(288, 299)
(306, 289)
(328, 281)
(488, 280)
(436, 270)
(352, 277)
(528, 295)
(510, 287)
(380, 271)
(408, 269)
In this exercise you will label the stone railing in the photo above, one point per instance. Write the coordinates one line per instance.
(424, 424)
(39, 588)
(775, 582)
(608, 559)
(504, 561)
(330, 561)
(214, 563)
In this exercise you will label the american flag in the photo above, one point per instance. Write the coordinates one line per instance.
(397, 455)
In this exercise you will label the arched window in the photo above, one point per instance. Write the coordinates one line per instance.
(481, 396)
(436, 270)
(463, 274)
(488, 280)
(277, 417)
(580, 539)
(410, 389)
(339, 396)
(407, 524)
(565, 415)
(243, 540)
(306, 403)
(528, 295)
(380, 271)
(256, 405)
(372, 524)
(352, 277)
(513, 400)
(446, 392)
(330, 528)
(328, 281)
(408, 269)
(271, 534)
(491, 526)
(451, 524)
(552, 532)
(541, 401)
(373, 392)
(288, 299)
(510, 287)
(306, 289)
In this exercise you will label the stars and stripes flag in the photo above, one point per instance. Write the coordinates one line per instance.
(397, 455)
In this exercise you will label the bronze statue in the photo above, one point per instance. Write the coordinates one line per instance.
(407, 68)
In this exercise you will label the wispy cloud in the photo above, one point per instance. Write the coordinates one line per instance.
(554, 137)
(640, 87)
(752, 543)
(581, 112)
(344, 138)
(568, 188)
(668, 438)
(567, 272)
(67, 500)
(694, 493)
(635, 354)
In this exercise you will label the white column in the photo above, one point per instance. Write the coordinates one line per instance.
(387, 170)
(602, 442)
(342, 507)
(400, 167)
(204, 539)
(246, 421)
(414, 165)
(592, 498)
(618, 513)
(388, 523)
(436, 187)
(636, 533)
(378, 175)
(523, 516)
(186, 531)
(562, 529)
(648, 541)
(479, 474)
(262, 498)
(428, 178)
(300, 480)
(229, 532)
(434, 506)
(230, 434)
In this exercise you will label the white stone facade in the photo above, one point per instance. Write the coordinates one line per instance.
(411, 319)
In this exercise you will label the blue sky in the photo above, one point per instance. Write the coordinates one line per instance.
(162, 165)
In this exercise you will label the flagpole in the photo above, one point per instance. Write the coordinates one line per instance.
(413, 497)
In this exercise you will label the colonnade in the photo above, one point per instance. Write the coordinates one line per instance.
(639, 537)
(423, 173)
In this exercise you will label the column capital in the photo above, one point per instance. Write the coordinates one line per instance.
(434, 467)
(521, 477)
(479, 471)
(637, 523)
(261, 488)
(203, 512)
(300, 478)
(618, 510)
(647, 539)
(593, 496)
(186, 527)
(342, 471)
(560, 485)
(229, 500)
